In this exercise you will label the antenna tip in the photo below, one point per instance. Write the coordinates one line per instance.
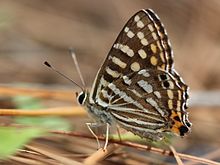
(47, 64)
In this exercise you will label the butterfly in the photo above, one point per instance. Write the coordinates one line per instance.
(137, 87)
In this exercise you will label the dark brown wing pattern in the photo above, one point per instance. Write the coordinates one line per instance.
(147, 103)
(137, 80)
(137, 46)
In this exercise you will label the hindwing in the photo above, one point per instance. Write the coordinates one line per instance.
(147, 101)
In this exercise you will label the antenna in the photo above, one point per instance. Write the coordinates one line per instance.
(77, 66)
(54, 69)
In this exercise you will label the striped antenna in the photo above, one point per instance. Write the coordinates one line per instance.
(63, 75)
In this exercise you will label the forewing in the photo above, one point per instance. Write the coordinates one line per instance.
(142, 43)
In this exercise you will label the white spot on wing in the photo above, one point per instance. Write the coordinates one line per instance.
(171, 85)
(144, 85)
(130, 53)
(178, 108)
(144, 41)
(154, 36)
(170, 104)
(136, 18)
(135, 66)
(170, 94)
(144, 73)
(150, 27)
(140, 24)
(140, 35)
(135, 92)
(125, 48)
(157, 94)
(111, 72)
(127, 80)
(130, 34)
(179, 95)
(118, 62)
(142, 53)
(126, 29)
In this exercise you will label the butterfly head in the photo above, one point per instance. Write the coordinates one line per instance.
(81, 97)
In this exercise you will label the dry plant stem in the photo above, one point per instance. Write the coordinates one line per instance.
(26, 161)
(167, 153)
(100, 155)
(41, 93)
(61, 111)
(178, 160)
(210, 155)
(27, 151)
(119, 134)
(61, 159)
(142, 147)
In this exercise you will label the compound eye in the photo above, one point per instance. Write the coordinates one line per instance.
(81, 98)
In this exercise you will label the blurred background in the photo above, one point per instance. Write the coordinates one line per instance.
(32, 31)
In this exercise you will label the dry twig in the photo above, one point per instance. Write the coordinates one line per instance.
(178, 160)
(61, 159)
(61, 111)
(100, 155)
(26, 160)
(41, 93)
(210, 155)
(143, 147)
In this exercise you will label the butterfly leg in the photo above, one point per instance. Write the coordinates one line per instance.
(92, 132)
(106, 137)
